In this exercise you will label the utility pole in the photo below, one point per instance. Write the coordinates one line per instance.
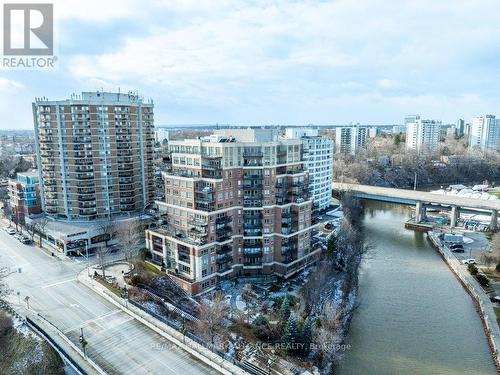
(415, 182)
(83, 343)
(87, 255)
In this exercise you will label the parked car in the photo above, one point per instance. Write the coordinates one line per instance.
(495, 299)
(469, 261)
(25, 240)
(458, 250)
(11, 231)
(456, 246)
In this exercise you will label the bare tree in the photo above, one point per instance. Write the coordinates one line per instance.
(30, 228)
(495, 245)
(7, 211)
(102, 253)
(106, 228)
(488, 259)
(4, 289)
(40, 226)
(130, 235)
(330, 334)
(212, 316)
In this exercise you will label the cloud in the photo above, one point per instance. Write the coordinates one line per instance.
(276, 61)
(386, 83)
(9, 84)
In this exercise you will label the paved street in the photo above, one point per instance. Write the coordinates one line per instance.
(117, 342)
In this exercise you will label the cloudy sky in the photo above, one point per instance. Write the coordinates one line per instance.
(273, 62)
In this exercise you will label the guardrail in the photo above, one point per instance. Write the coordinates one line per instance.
(198, 340)
(56, 346)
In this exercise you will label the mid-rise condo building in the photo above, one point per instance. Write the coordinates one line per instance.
(237, 203)
(318, 157)
(24, 195)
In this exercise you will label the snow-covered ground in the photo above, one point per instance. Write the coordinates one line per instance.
(467, 193)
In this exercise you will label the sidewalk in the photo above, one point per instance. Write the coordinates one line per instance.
(203, 354)
(486, 311)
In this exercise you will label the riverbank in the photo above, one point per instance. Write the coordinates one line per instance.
(484, 305)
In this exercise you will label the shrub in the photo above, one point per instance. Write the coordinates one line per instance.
(483, 280)
(498, 267)
(261, 328)
(472, 269)
(136, 280)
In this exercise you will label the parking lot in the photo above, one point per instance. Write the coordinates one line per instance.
(475, 245)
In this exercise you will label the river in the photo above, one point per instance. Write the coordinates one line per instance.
(414, 316)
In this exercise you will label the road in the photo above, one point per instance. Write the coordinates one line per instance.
(117, 342)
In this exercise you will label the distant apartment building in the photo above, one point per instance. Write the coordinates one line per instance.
(95, 155)
(350, 139)
(411, 119)
(423, 135)
(485, 134)
(318, 157)
(234, 205)
(161, 135)
(459, 128)
(24, 195)
(398, 129)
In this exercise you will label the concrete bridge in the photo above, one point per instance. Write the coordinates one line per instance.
(422, 200)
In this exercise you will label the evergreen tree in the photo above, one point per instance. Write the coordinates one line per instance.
(285, 311)
(291, 335)
(306, 336)
(332, 247)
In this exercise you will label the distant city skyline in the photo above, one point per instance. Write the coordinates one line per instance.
(290, 63)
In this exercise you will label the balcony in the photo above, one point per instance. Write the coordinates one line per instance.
(253, 252)
(86, 198)
(127, 207)
(252, 233)
(81, 176)
(223, 259)
(254, 225)
(254, 185)
(198, 222)
(125, 167)
(88, 204)
(87, 212)
(253, 153)
(223, 219)
(125, 173)
(255, 203)
(224, 249)
(252, 177)
(84, 161)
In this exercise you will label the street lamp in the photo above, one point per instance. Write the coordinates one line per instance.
(27, 299)
(183, 328)
(125, 296)
(87, 255)
(83, 343)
